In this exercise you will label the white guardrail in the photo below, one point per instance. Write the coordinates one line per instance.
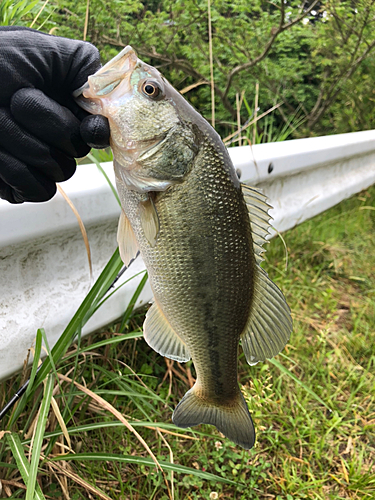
(43, 261)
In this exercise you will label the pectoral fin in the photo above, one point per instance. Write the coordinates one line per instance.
(126, 240)
(270, 324)
(159, 335)
(149, 220)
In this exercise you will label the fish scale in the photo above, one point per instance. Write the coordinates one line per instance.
(186, 211)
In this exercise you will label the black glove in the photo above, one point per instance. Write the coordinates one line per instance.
(42, 129)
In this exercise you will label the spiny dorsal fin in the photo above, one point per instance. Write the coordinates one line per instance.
(126, 240)
(270, 324)
(259, 219)
(149, 220)
(159, 335)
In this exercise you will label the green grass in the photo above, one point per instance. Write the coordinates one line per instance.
(313, 408)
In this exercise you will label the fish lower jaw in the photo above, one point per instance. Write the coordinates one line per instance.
(136, 149)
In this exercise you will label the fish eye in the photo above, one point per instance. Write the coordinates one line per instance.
(151, 89)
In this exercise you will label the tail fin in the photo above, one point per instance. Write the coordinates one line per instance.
(234, 420)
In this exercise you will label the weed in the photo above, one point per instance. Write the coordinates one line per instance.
(313, 406)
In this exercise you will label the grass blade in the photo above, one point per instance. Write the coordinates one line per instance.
(80, 223)
(113, 340)
(78, 480)
(56, 411)
(39, 435)
(109, 295)
(22, 463)
(132, 302)
(114, 412)
(37, 351)
(167, 466)
(40, 11)
(285, 370)
(105, 342)
(161, 426)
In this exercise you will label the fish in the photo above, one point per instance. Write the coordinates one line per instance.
(200, 233)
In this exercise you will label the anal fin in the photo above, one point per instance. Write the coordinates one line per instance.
(270, 322)
(159, 335)
(126, 240)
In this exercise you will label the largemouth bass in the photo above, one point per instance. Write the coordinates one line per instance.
(200, 233)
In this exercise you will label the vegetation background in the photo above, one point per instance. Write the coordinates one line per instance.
(314, 57)
(314, 406)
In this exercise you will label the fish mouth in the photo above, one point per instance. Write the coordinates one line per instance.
(112, 75)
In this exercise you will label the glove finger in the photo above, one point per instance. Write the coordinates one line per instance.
(19, 183)
(54, 64)
(49, 121)
(7, 193)
(84, 61)
(95, 131)
(48, 160)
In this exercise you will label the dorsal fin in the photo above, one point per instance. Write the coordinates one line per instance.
(270, 323)
(257, 207)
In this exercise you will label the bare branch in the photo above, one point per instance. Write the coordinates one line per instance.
(274, 5)
(247, 125)
(333, 91)
(283, 115)
(299, 18)
(193, 86)
(360, 34)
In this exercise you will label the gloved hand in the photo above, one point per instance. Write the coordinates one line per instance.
(42, 129)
